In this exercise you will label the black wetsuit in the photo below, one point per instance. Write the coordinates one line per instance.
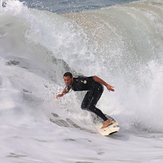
(94, 92)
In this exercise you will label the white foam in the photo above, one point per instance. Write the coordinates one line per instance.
(37, 47)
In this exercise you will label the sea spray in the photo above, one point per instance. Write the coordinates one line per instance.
(120, 43)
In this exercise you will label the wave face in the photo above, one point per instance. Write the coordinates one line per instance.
(122, 44)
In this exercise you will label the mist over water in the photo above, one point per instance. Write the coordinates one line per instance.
(121, 44)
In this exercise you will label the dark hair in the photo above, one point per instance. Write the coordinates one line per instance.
(68, 74)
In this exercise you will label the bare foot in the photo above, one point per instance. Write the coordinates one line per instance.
(106, 123)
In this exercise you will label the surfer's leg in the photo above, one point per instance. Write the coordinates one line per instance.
(86, 106)
(90, 100)
(86, 100)
(96, 94)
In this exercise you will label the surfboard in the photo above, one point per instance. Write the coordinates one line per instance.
(111, 129)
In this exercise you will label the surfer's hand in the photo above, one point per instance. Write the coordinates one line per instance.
(110, 88)
(59, 95)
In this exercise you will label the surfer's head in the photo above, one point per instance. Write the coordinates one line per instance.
(68, 78)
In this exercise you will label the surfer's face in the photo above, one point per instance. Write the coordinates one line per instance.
(68, 80)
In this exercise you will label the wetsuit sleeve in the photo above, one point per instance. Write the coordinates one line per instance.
(68, 88)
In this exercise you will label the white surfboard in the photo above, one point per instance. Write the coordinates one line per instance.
(111, 129)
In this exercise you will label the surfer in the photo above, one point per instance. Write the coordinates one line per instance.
(94, 87)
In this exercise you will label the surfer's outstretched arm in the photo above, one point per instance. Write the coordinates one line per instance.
(63, 92)
(99, 80)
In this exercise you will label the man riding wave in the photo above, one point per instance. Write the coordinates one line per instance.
(94, 87)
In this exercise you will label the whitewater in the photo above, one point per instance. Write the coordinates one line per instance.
(122, 44)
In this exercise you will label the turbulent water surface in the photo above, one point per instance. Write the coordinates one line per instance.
(120, 42)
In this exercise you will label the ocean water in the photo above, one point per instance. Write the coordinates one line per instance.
(67, 6)
(120, 42)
